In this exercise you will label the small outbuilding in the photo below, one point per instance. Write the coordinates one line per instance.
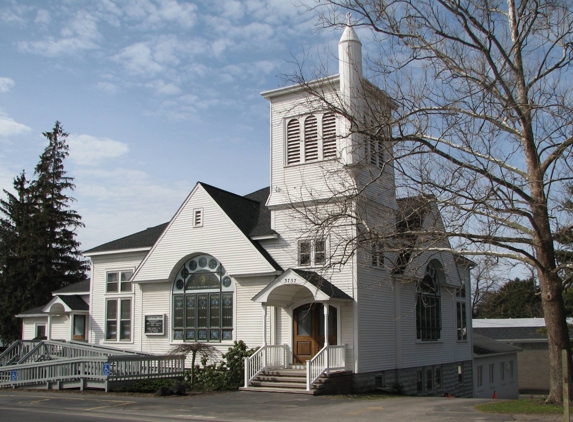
(495, 368)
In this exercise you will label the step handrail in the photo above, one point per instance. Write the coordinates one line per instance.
(274, 356)
(327, 359)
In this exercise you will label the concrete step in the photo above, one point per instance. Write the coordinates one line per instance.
(278, 390)
(280, 378)
(278, 384)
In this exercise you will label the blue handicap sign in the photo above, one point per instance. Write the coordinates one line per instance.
(14, 376)
(106, 369)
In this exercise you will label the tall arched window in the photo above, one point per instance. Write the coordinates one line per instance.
(428, 312)
(202, 301)
(310, 139)
(328, 136)
(293, 142)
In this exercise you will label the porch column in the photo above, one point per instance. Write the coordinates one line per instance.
(49, 327)
(327, 357)
(326, 310)
(264, 324)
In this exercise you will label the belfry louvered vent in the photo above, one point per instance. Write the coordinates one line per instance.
(328, 136)
(310, 139)
(293, 142)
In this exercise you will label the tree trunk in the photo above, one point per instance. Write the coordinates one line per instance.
(557, 332)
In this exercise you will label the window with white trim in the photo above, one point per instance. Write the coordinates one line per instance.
(502, 371)
(428, 306)
(118, 319)
(40, 332)
(118, 281)
(480, 376)
(491, 373)
(461, 313)
(377, 255)
(202, 301)
(79, 327)
(311, 253)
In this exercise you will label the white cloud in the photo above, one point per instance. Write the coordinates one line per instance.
(87, 150)
(9, 127)
(163, 88)
(107, 87)
(157, 14)
(138, 58)
(6, 84)
(79, 34)
(43, 16)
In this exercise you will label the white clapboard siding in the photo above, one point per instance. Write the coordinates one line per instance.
(376, 326)
(60, 327)
(249, 315)
(218, 236)
(101, 265)
(29, 326)
(293, 228)
(418, 353)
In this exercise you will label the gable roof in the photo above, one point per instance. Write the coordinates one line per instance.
(76, 288)
(143, 239)
(248, 212)
(75, 303)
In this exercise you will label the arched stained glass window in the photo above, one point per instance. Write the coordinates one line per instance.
(428, 309)
(202, 301)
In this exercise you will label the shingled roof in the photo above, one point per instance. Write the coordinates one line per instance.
(76, 288)
(142, 239)
(248, 212)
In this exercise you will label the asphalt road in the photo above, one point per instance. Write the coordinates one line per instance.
(47, 406)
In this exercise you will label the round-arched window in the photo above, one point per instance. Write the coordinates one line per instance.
(202, 301)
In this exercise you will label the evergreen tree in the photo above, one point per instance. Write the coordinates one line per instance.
(515, 299)
(39, 252)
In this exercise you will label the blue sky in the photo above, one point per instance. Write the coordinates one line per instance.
(156, 95)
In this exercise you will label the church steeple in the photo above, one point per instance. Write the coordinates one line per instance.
(350, 71)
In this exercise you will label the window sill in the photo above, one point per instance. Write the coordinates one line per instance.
(118, 342)
(429, 341)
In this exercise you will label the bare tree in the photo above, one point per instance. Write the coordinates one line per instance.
(478, 101)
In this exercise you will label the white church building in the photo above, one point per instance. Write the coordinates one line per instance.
(228, 267)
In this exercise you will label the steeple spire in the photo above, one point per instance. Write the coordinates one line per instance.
(350, 70)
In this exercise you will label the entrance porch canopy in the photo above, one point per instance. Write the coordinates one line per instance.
(295, 285)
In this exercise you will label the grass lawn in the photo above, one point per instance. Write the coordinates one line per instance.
(526, 406)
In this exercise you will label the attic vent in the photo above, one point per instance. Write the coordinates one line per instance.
(293, 142)
(197, 218)
(310, 139)
(328, 136)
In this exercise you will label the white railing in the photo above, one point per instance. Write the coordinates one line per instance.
(15, 351)
(329, 358)
(53, 349)
(268, 356)
(103, 370)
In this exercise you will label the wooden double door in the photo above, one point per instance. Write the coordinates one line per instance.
(308, 330)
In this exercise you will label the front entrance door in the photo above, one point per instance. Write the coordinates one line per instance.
(308, 330)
